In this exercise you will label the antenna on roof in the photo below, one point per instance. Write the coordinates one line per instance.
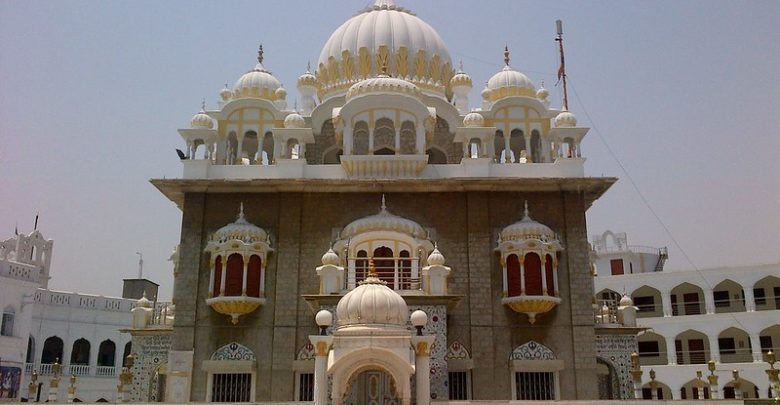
(140, 264)
(562, 68)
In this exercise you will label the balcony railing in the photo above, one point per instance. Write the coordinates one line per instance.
(73, 369)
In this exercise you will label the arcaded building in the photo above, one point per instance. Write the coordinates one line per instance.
(473, 213)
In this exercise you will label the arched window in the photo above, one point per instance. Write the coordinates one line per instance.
(7, 327)
(268, 149)
(516, 144)
(361, 265)
(536, 147)
(253, 277)
(234, 276)
(249, 147)
(514, 285)
(52, 350)
(499, 144)
(30, 350)
(533, 274)
(106, 354)
(360, 139)
(408, 138)
(231, 148)
(384, 137)
(80, 352)
(548, 269)
(384, 263)
(217, 276)
(126, 352)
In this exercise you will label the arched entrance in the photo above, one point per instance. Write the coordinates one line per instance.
(372, 387)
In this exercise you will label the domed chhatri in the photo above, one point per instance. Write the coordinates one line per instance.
(294, 120)
(530, 266)
(509, 82)
(372, 303)
(384, 31)
(202, 120)
(257, 83)
(565, 120)
(239, 253)
(473, 120)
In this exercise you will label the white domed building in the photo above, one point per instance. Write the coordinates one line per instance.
(385, 162)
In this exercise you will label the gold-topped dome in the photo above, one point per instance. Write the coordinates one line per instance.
(372, 303)
(509, 82)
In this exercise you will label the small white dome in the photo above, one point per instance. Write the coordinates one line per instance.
(242, 230)
(144, 302)
(201, 120)
(527, 228)
(307, 79)
(542, 93)
(509, 82)
(626, 301)
(436, 258)
(280, 93)
(372, 303)
(257, 83)
(461, 79)
(294, 120)
(382, 84)
(225, 93)
(473, 120)
(330, 258)
(565, 120)
(485, 93)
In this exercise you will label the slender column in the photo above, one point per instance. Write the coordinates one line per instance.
(671, 351)
(398, 141)
(522, 275)
(527, 139)
(224, 272)
(506, 282)
(709, 301)
(544, 276)
(714, 348)
(420, 142)
(750, 300)
(555, 277)
(239, 148)
(262, 279)
(422, 367)
(246, 268)
(755, 344)
(211, 278)
(666, 299)
(507, 151)
(371, 140)
(321, 349)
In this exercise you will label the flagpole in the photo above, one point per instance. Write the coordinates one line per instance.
(562, 68)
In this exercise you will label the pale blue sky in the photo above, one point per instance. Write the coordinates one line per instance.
(91, 93)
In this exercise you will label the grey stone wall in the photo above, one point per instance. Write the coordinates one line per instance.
(466, 226)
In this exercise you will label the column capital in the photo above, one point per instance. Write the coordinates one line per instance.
(321, 344)
(422, 344)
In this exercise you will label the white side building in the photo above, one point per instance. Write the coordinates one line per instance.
(41, 327)
(730, 315)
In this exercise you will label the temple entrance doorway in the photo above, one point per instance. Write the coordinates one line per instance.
(372, 387)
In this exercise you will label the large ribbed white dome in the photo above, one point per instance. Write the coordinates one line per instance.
(384, 25)
(372, 303)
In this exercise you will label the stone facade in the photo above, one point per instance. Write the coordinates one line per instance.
(151, 357)
(464, 224)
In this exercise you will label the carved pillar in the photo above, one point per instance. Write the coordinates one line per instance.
(422, 365)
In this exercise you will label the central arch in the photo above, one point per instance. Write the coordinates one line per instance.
(346, 369)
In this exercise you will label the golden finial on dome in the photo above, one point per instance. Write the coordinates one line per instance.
(260, 54)
(506, 55)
